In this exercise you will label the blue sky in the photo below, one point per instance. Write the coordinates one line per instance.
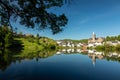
(85, 17)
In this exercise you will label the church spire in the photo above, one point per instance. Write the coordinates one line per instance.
(93, 37)
(93, 33)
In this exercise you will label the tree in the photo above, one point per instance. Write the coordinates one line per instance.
(100, 48)
(38, 36)
(37, 39)
(117, 47)
(20, 34)
(6, 38)
(108, 38)
(33, 13)
(119, 37)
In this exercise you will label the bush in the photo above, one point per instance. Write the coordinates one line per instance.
(109, 47)
(117, 48)
(100, 48)
(8, 40)
(31, 39)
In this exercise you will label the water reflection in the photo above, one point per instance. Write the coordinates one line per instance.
(93, 54)
(10, 56)
(69, 51)
(63, 64)
(113, 56)
(6, 58)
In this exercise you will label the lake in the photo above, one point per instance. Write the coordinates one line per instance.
(62, 66)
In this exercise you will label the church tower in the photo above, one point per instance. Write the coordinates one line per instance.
(93, 37)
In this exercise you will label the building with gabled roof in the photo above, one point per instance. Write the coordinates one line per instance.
(95, 41)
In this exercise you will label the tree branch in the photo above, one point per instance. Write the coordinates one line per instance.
(9, 10)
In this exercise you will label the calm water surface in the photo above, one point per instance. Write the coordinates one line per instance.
(62, 67)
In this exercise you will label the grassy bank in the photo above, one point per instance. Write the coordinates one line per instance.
(29, 47)
(33, 48)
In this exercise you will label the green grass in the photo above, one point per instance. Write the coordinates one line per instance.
(29, 47)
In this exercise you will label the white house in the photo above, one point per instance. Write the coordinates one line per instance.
(90, 44)
(98, 43)
(114, 43)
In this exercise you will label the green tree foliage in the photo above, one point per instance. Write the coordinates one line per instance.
(119, 37)
(108, 48)
(37, 36)
(83, 41)
(108, 38)
(117, 48)
(47, 43)
(33, 13)
(30, 39)
(6, 38)
(77, 41)
(112, 38)
(20, 34)
(100, 48)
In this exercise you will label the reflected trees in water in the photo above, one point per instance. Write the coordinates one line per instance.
(10, 56)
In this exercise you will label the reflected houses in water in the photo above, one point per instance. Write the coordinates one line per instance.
(68, 51)
(91, 53)
(113, 54)
(95, 55)
(109, 56)
(13, 57)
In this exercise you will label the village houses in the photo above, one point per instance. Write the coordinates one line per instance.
(94, 41)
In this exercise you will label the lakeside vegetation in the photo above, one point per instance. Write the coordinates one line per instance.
(28, 43)
(21, 46)
(112, 38)
(16, 47)
(85, 41)
(109, 47)
(25, 42)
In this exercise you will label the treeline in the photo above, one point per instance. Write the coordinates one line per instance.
(112, 38)
(83, 41)
(77, 41)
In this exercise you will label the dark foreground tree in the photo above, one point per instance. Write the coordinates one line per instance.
(6, 38)
(33, 13)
